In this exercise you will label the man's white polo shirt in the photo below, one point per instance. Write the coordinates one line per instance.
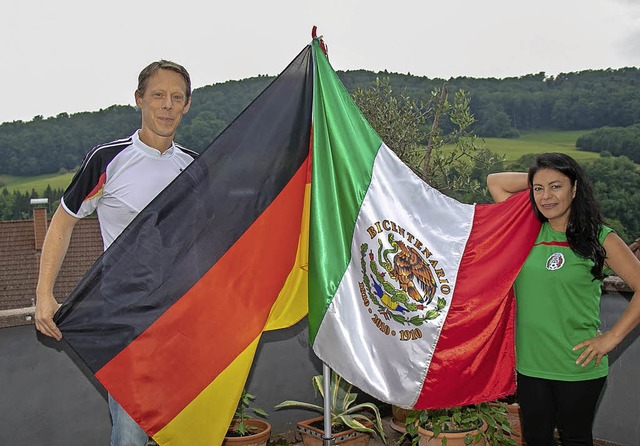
(119, 179)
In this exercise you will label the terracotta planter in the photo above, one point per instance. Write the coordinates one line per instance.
(398, 417)
(453, 438)
(312, 436)
(513, 415)
(259, 438)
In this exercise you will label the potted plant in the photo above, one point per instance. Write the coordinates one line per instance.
(244, 429)
(350, 424)
(513, 414)
(477, 424)
(398, 418)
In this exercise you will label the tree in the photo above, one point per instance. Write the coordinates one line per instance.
(6, 204)
(199, 133)
(495, 123)
(615, 140)
(616, 182)
(453, 162)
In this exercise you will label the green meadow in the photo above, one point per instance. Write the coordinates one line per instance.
(38, 183)
(533, 142)
(540, 142)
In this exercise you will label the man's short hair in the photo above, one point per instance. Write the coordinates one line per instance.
(162, 64)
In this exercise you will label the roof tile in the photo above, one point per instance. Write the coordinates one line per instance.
(19, 262)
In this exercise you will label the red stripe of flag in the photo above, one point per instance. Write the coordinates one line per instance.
(472, 338)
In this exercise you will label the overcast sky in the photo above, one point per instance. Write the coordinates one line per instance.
(79, 55)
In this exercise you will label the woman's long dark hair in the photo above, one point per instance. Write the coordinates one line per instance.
(585, 217)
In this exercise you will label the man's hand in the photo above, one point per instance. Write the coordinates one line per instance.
(55, 246)
(46, 306)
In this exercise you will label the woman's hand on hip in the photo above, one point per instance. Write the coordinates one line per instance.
(596, 348)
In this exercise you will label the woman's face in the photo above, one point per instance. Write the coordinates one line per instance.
(553, 194)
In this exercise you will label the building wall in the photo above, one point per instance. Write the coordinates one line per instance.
(618, 415)
(48, 399)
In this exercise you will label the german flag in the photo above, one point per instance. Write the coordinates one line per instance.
(169, 317)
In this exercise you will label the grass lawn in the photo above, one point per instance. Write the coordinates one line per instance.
(540, 142)
(39, 183)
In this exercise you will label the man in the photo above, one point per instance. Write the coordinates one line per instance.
(117, 180)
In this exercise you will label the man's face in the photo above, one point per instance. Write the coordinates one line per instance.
(163, 104)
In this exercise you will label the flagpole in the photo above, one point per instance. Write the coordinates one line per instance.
(327, 439)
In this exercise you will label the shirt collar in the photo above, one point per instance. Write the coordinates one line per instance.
(137, 142)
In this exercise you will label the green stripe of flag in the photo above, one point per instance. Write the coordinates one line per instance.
(344, 150)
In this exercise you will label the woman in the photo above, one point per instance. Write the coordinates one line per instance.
(560, 353)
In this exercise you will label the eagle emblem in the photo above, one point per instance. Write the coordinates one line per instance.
(400, 281)
(555, 261)
(409, 269)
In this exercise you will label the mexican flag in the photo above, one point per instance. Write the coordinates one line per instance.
(409, 290)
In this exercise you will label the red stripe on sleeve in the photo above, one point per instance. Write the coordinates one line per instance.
(98, 188)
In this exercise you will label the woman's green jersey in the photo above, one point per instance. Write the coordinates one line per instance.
(558, 306)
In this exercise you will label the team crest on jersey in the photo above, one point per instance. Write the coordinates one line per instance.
(555, 261)
(402, 285)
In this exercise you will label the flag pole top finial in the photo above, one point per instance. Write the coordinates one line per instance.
(314, 35)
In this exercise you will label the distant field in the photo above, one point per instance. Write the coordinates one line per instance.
(534, 142)
(39, 183)
(539, 142)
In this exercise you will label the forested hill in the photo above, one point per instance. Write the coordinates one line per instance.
(502, 107)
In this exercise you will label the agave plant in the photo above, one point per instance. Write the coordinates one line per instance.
(343, 412)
